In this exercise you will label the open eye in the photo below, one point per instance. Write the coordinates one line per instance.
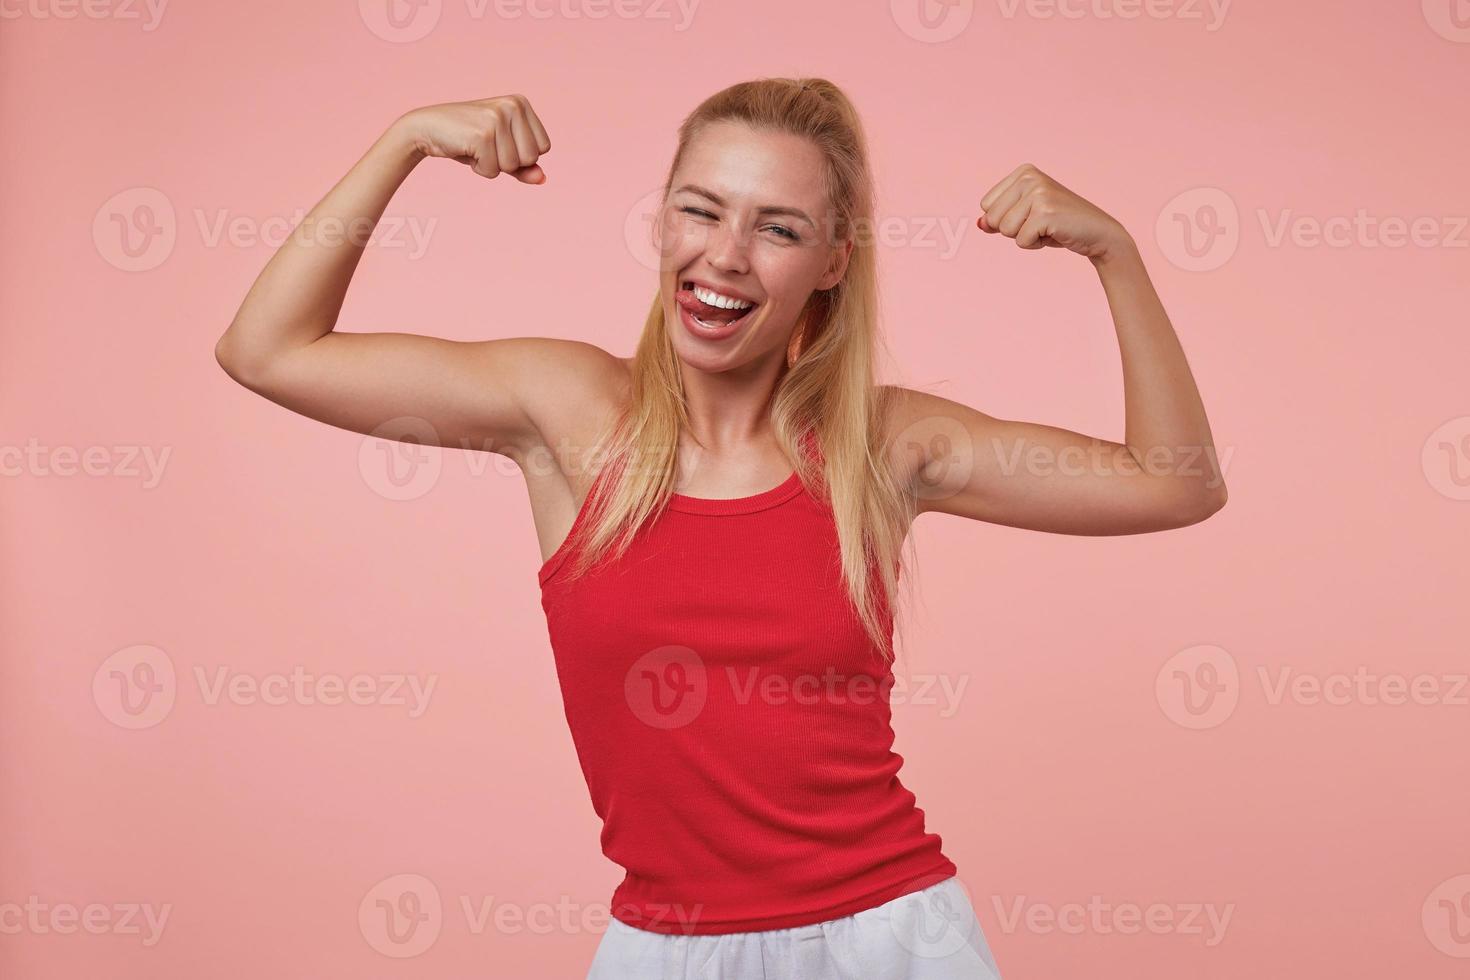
(785, 232)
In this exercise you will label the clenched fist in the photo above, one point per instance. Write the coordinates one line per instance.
(492, 136)
(1038, 212)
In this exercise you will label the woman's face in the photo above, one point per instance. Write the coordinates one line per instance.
(746, 218)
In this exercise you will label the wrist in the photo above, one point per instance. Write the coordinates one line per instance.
(1117, 249)
(402, 139)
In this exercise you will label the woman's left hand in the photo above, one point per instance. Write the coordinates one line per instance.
(1038, 212)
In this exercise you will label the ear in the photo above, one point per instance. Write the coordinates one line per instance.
(837, 266)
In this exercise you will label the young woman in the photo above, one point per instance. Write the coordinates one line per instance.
(721, 544)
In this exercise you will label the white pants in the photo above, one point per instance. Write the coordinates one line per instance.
(930, 934)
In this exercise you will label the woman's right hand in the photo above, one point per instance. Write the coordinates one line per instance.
(492, 136)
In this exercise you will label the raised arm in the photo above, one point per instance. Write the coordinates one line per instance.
(1165, 474)
(490, 395)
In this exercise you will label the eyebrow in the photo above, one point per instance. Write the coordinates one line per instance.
(764, 209)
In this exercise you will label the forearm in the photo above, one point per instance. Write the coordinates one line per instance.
(1166, 430)
(298, 296)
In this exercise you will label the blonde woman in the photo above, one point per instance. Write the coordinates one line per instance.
(721, 542)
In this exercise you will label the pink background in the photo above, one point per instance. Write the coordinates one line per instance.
(1071, 767)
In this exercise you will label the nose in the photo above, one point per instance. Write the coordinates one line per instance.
(726, 249)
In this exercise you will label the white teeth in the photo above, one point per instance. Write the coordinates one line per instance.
(723, 302)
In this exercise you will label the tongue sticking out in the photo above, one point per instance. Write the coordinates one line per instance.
(706, 312)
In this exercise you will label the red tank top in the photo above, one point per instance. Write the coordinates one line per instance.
(731, 718)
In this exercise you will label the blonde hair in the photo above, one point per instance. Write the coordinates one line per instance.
(826, 392)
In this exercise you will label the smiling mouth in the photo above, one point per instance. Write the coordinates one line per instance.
(706, 310)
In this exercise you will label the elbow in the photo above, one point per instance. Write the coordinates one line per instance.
(1201, 504)
(228, 357)
(222, 353)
